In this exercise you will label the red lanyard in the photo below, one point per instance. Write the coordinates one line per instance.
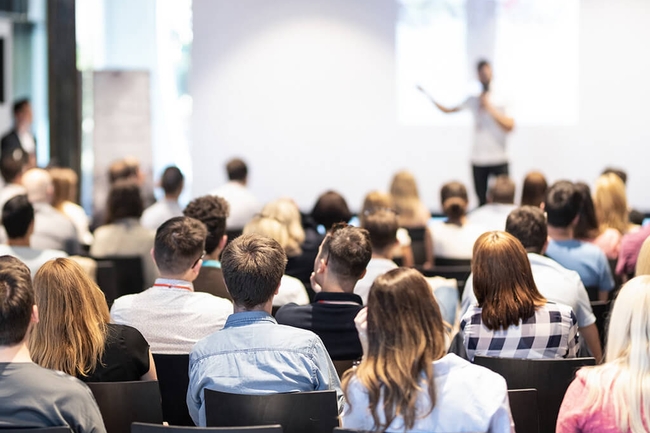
(173, 286)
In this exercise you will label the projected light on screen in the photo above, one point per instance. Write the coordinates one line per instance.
(532, 45)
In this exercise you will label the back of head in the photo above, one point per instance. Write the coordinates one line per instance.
(503, 280)
(17, 216)
(12, 166)
(172, 181)
(502, 191)
(20, 105)
(122, 170)
(73, 316)
(237, 170)
(179, 243)
(347, 251)
(286, 212)
(405, 194)
(375, 200)
(124, 201)
(620, 173)
(453, 197)
(382, 228)
(534, 189)
(65, 182)
(528, 225)
(253, 266)
(562, 204)
(587, 226)
(610, 202)
(213, 212)
(38, 184)
(331, 208)
(16, 301)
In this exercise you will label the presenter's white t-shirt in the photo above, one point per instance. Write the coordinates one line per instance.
(489, 147)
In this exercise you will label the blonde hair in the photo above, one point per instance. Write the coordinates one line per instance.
(404, 191)
(73, 316)
(270, 228)
(375, 200)
(627, 353)
(287, 213)
(610, 202)
(64, 181)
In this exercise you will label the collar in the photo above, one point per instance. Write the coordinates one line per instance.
(337, 298)
(248, 318)
(169, 283)
(211, 264)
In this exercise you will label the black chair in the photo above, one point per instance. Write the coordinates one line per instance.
(173, 380)
(592, 291)
(418, 244)
(523, 406)
(342, 366)
(118, 276)
(63, 429)
(314, 412)
(550, 377)
(122, 403)
(138, 427)
(442, 261)
(347, 430)
(233, 234)
(601, 310)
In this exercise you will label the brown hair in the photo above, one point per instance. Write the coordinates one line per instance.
(64, 181)
(503, 281)
(453, 196)
(179, 243)
(124, 201)
(382, 228)
(213, 212)
(502, 191)
(237, 169)
(331, 208)
(347, 251)
(16, 300)
(534, 189)
(405, 337)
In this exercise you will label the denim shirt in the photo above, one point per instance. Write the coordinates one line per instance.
(252, 354)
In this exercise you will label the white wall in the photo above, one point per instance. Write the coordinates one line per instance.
(305, 92)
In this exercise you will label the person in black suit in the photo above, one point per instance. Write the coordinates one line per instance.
(20, 142)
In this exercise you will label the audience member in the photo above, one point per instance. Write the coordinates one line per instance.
(631, 245)
(534, 189)
(65, 182)
(213, 212)
(18, 221)
(563, 203)
(12, 170)
(52, 229)
(252, 354)
(291, 289)
(20, 142)
(172, 183)
(243, 204)
(341, 261)
(170, 315)
(588, 228)
(405, 381)
(501, 199)
(555, 283)
(74, 334)
(32, 396)
(511, 318)
(123, 235)
(613, 397)
(634, 215)
(330, 208)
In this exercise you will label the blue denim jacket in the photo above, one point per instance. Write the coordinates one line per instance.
(252, 354)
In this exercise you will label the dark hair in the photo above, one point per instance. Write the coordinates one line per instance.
(172, 180)
(253, 266)
(534, 189)
(528, 225)
(237, 169)
(382, 228)
(11, 167)
(20, 104)
(122, 169)
(213, 212)
(347, 251)
(16, 300)
(587, 226)
(453, 197)
(562, 204)
(618, 172)
(481, 64)
(502, 191)
(124, 201)
(503, 281)
(17, 215)
(331, 208)
(179, 243)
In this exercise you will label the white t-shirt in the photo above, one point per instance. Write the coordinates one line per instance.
(291, 290)
(489, 147)
(491, 216)
(452, 241)
(375, 268)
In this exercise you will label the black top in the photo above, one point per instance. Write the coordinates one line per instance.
(331, 317)
(126, 357)
(210, 280)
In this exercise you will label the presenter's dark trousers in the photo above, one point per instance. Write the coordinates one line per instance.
(482, 174)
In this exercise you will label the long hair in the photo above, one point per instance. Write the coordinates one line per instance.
(627, 387)
(587, 226)
(286, 212)
(73, 316)
(453, 197)
(65, 182)
(405, 195)
(610, 202)
(405, 336)
(503, 281)
(534, 189)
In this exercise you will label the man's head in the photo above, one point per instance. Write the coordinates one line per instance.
(502, 191)
(17, 308)
(12, 166)
(528, 224)
(237, 170)
(18, 217)
(484, 71)
(253, 266)
(38, 184)
(562, 204)
(179, 247)
(382, 228)
(23, 113)
(213, 212)
(172, 182)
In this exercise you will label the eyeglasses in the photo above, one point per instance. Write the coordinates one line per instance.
(198, 260)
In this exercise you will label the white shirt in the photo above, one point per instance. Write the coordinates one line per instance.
(172, 319)
(489, 147)
(27, 141)
(78, 216)
(452, 241)
(375, 268)
(33, 258)
(555, 283)
(491, 216)
(159, 212)
(243, 204)
(291, 290)
(9, 191)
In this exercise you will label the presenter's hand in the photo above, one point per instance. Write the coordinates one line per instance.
(485, 101)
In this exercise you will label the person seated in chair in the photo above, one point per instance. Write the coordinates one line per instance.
(501, 201)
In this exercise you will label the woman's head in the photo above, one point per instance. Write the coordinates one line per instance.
(331, 208)
(534, 189)
(73, 314)
(65, 182)
(587, 226)
(405, 194)
(610, 202)
(375, 200)
(285, 211)
(270, 228)
(503, 280)
(453, 197)
(124, 201)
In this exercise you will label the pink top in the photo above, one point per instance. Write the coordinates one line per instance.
(630, 247)
(609, 242)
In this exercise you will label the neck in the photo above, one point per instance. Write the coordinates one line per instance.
(17, 353)
(382, 254)
(457, 221)
(267, 307)
(333, 285)
(173, 197)
(188, 276)
(214, 255)
(19, 242)
(560, 233)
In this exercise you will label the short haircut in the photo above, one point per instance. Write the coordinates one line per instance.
(481, 64)
(347, 251)
(382, 228)
(618, 172)
(172, 180)
(453, 197)
(16, 300)
(121, 169)
(213, 212)
(528, 225)
(253, 266)
(179, 243)
(12, 166)
(17, 215)
(562, 204)
(588, 226)
(502, 191)
(124, 201)
(237, 169)
(534, 189)
(20, 104)
(331, 208)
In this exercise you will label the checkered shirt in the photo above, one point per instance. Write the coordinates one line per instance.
(552, 332)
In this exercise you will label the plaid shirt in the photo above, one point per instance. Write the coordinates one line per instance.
(552, 332)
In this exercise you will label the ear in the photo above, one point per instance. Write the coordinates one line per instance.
(542, 206)
(544, 247)
(34, 318)
(322, 266)
(223, 242)
(153, 257)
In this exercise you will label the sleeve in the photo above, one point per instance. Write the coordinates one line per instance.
(356, 415)
(83, 415)
(584, 313)
(194, 399)
(501, 421)
(573, 341)
(569, 419)
(606, 280)
(403, 237)
(326, 376)
(469, 298)
(138, 349)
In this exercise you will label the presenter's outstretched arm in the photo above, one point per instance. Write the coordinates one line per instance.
(505, 122)
(440, 107)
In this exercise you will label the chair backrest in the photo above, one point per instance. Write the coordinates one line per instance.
(601, 310)
(173, 380)
(63, 429)
(314, 412)
(550, 377)
(592, 291)
(442, 261)
(138, 427)
(127, 276)
(523, 406)
(122, 403)
(347, 430)
(342, 366)
(418, 244)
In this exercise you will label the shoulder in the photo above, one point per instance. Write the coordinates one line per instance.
(292, 312)
(553, 309)
(471, 317)
(57, 381)
(209, 302)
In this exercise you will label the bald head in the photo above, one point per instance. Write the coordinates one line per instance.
(38, 184)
